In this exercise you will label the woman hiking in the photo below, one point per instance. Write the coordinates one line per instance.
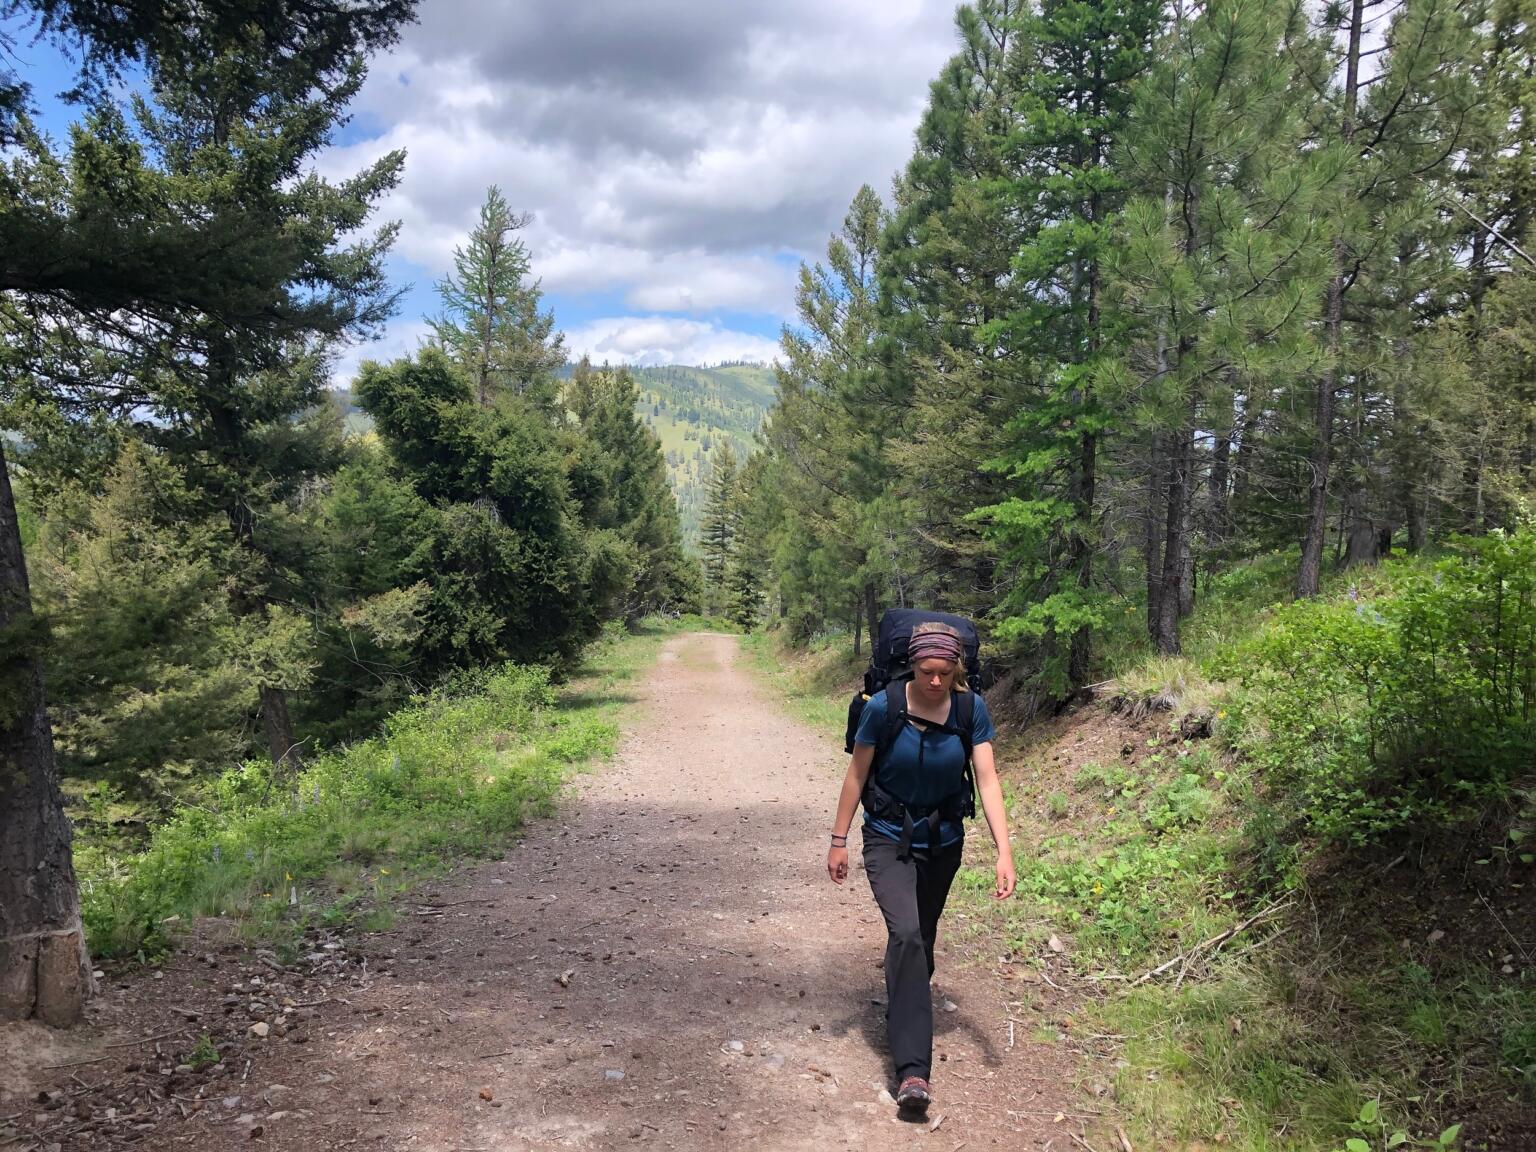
(915, 793)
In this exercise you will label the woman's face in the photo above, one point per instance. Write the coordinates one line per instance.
(933, 678)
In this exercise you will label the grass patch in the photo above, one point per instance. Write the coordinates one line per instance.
(815, 682)
(454, 774)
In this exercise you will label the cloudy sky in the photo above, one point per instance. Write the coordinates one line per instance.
(680, 158)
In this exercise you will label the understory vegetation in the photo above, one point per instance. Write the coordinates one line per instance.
(1287, 870)
(454, 773)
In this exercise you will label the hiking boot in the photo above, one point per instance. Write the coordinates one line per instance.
(913, 1095)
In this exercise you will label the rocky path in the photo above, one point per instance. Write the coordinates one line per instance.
(664, 963)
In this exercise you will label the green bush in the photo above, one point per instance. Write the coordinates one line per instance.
(1365, 716)
(451, 773)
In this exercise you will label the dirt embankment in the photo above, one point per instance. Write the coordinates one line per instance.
(663, 963)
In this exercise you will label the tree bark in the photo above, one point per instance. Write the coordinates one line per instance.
(1218, 491)
(44, 970)
(1152, 540)
(1175, 544)
(1187, 546)
(277, 724)
(872, 610)
(1310, 573)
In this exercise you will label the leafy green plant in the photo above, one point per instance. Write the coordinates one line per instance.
(1058, 807)
(204, 1054)
(1373, 1133)
(1366, 716)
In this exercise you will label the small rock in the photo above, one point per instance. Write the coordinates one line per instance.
(260, 1029)
(1055, 944)
(231, 1102)
(776, 1061)
(1437, 935)
(949, 1006)
(885, 1098)
(487, 1095)
(613, 1074)
(279, 1115)
(735, 1047)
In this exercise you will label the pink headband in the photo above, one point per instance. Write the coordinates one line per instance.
(935, 645)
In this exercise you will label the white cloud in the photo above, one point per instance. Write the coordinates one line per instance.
(665, 340)
(678, 155)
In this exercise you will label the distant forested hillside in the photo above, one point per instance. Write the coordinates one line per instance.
(691, 410)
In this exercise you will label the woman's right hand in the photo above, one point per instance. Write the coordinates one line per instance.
(837, 864)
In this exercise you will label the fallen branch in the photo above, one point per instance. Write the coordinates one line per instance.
(149, 1039)
(1216, 941)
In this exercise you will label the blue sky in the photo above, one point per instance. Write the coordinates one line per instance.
(680, 158)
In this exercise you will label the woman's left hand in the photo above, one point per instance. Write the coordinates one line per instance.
(1005, 879)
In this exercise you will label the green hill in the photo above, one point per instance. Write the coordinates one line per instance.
(692, 411)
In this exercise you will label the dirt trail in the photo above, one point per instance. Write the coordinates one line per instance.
(663, 963)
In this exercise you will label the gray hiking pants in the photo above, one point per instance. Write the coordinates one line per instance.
(911, 895)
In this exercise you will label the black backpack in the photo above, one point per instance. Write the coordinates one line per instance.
(890, 667)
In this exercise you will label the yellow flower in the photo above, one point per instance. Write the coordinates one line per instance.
(383, 871)
(1097, 889)
(287, 876)
(1222, 715)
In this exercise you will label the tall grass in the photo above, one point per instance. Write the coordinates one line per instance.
(454, 774)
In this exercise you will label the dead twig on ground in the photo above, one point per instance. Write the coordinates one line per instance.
(1185, 958)
(149, 1039)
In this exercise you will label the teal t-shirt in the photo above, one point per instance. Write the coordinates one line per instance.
(942, 773)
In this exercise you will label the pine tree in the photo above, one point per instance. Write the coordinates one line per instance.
(950, 383)
(111, 237)
(1219, 252)
(1081, 60)
(718, 526)
(491, 324)
(829, 433)
(1396, 132)
(620, 480)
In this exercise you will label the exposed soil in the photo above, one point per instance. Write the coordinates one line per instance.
(663, 963)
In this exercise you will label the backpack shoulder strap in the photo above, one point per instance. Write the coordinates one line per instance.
(895, 717)
(965, 719)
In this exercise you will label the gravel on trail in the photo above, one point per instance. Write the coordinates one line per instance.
(662, 963)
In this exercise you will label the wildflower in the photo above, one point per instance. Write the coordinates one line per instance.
(383, 871)
(1098, 889)
(1222, 715)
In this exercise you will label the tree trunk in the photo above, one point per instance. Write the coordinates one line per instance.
(1152, 539)
(281, 745)
(1217, 488)
(1175, 543)
(858, 632)
(1242, 471)
(1360, 534)
(44, 971)
(1310, 574)
(872, 609)
(1187, 547)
